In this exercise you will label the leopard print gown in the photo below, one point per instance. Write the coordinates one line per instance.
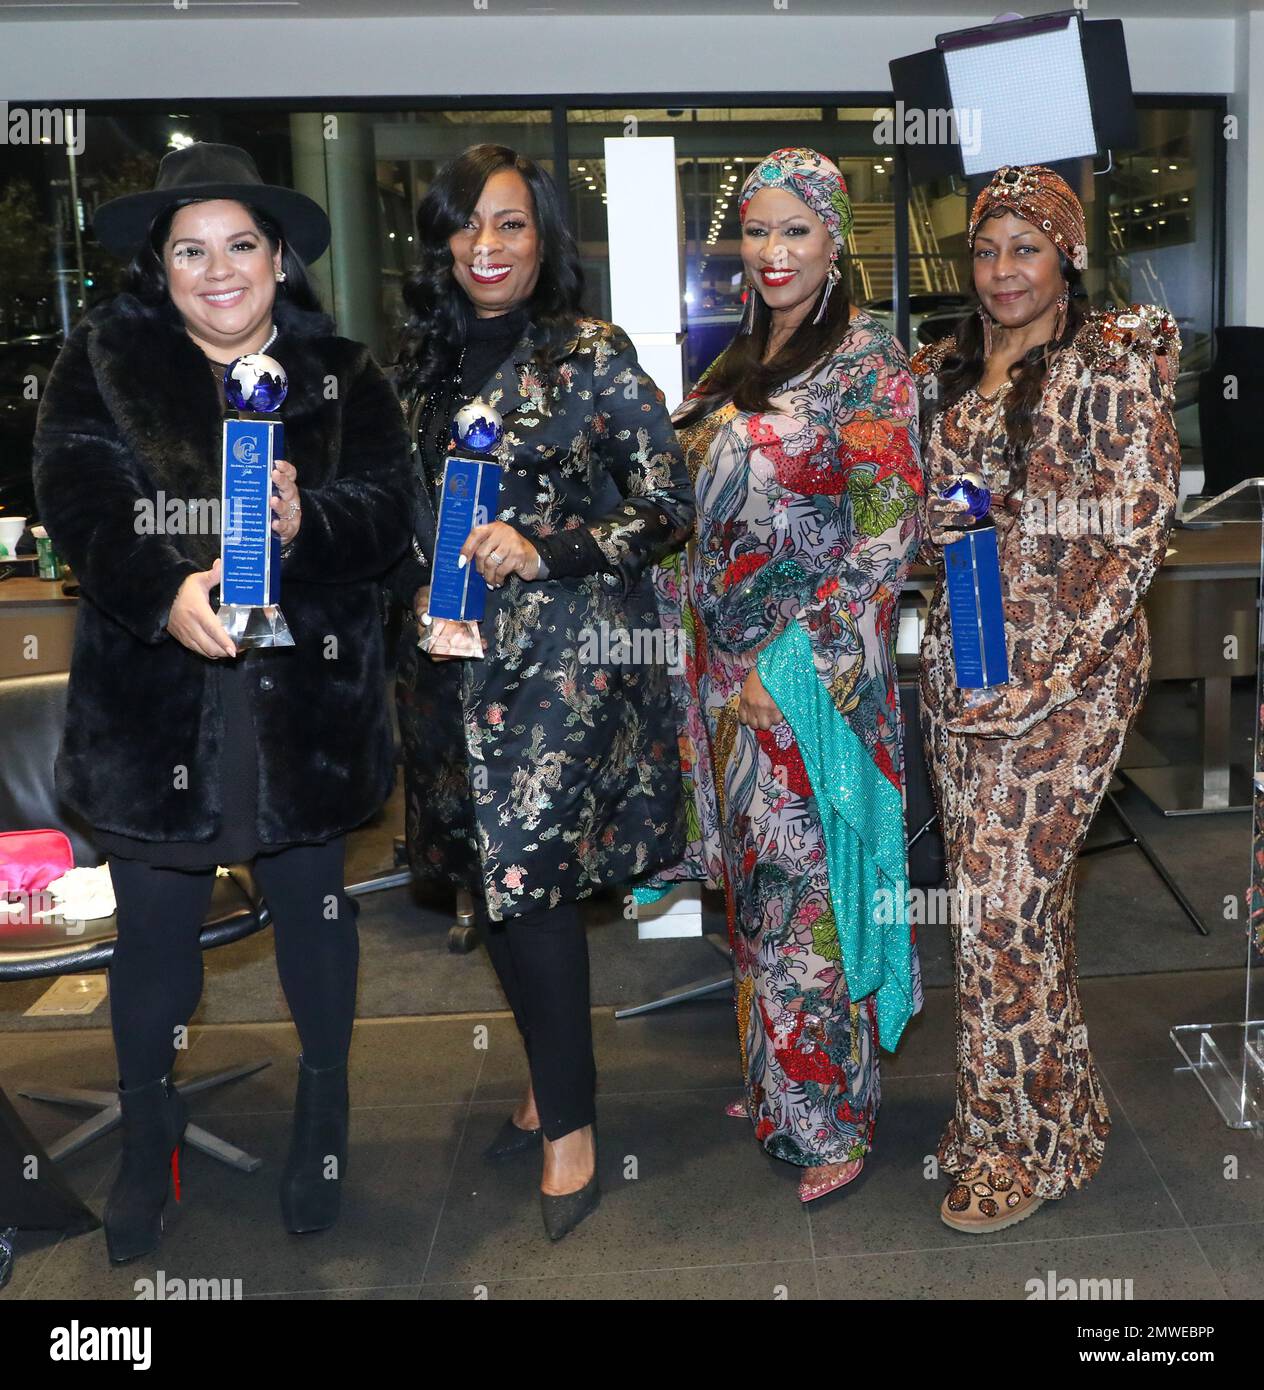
(1019, 781)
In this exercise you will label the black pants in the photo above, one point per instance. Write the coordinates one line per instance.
(541, 959)
(156, 974)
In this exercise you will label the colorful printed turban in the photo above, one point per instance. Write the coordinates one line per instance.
(813, 179)
(1040, 197)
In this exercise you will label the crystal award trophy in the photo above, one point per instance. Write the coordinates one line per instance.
(468, 493)
(254, 439)
(972, 574)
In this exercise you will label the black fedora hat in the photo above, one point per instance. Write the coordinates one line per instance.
(204, 170)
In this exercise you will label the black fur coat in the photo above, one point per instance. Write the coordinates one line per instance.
(131, 414)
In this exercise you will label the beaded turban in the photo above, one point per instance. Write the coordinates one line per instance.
(1038, 196)
(812, 179)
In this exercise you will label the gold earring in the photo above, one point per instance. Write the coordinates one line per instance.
(1059, 324)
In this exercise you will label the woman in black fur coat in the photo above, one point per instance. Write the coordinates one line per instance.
(180, 751)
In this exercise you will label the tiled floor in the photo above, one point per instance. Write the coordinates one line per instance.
(692, 1207)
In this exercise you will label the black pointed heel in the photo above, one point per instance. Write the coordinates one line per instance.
(511, 1140)
(154, 1118)
(310, 1194)
(563, 1214)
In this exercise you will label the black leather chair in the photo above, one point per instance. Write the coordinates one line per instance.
(32, 713)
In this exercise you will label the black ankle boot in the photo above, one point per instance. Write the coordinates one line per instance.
(311, 1184)
(154, 1118)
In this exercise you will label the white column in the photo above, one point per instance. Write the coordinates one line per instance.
(646, 235)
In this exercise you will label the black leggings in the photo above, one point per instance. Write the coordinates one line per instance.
(541, 959)
(156, 973)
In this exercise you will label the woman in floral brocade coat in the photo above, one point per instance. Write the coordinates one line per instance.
(547, 768)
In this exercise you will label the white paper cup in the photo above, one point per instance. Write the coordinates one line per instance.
(11, 528)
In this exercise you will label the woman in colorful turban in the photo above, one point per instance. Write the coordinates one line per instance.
(801, 442)
(1067, 415)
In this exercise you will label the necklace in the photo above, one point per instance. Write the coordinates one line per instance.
(215, 362)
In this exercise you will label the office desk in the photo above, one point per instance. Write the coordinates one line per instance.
(37, 626)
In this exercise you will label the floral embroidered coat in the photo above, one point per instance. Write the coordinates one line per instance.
(550, 767)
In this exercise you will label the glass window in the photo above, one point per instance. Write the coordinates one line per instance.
(716, 148)
(1151, 237)
(368, 169)
(1152, 218)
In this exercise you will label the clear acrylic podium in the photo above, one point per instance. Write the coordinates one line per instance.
(1228, 1058)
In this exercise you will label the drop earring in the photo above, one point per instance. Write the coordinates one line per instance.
(280, 277)
(1059, 324)
(987, 332)
(832, 279)
(748, 313)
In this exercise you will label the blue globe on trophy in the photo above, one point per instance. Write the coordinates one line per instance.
(255, 383)
(972, 489)
(477, 427)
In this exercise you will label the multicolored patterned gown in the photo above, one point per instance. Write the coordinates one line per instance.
(807, 523)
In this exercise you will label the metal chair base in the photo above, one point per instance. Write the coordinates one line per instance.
(1135, 837)
(109, 1116)
(699, 989)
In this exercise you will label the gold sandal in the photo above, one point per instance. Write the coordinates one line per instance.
(981, 1201)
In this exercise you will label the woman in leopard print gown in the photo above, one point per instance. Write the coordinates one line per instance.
(1067, 414)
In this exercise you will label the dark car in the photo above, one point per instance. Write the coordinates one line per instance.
(931, 316)
(24, 367)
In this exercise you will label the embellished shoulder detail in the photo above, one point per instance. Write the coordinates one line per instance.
(1110, 338)
(928, 360)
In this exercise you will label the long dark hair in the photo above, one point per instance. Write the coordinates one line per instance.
(146, 274)
(963, 368)
(742, 376)
(435, 329)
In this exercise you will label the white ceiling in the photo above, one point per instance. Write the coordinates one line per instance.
(364, 9)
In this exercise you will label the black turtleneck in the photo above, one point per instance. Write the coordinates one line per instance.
(487, 343)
